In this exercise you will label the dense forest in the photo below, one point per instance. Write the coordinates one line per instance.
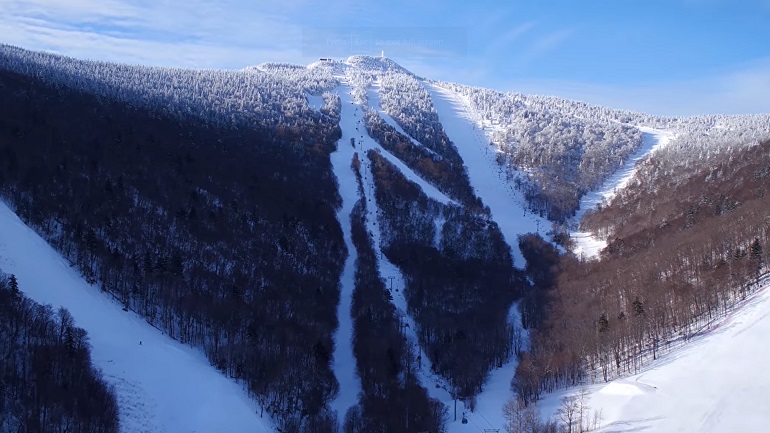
(194, 224)
(206, 202)
(393, 399)
(459, 276)
(564, 155)
(686, 244)
(47, 382)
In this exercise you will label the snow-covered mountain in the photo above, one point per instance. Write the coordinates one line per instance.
(296, 206)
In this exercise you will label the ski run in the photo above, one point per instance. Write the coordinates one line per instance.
(162, 385)
(710, 384)
(588, 245)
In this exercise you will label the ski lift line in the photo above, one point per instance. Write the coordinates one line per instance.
(483, 417)
(475, 425)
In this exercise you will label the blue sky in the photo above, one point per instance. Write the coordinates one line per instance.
(667, 57)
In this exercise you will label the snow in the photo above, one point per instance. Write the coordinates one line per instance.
(316, 102)
(373, 94)
(344, 364)
(487, 177)
(714, 383)
(587, 244)
(162, 385)
(488, 413)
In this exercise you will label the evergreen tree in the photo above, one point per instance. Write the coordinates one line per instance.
(604, 324)
(13, 284)
(638, 307)
(756, 250)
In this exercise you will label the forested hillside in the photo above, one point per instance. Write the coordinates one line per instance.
(185, 217)
(563, 155)
(47, 382)
(214, 204)
(459, 279)
(687, 241)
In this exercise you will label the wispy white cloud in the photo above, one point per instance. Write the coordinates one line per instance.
(743, 90)
(203, 33)
(539, 47)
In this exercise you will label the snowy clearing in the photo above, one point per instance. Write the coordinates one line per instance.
(714, 383)
(162, 385)
(316, 102)
(586, 244)
(487, 177)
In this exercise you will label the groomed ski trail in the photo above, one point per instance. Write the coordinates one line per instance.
(487, 177)
(162, 386)
(588, 245)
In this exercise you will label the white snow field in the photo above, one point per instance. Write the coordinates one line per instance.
(587, 244)
(715, 383)
(162, 385)
(487, 178)
(344, 363)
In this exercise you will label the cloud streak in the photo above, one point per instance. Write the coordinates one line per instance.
(743, 90)
(202, 34)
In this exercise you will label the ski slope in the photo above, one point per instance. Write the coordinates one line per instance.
(587, 244)
(373, 94)
(716, 383)
(488, 413)
(487, 177)
(508, 207)
(344, 363)
(162, 385)
(351, 123)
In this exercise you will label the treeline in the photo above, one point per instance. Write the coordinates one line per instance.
(224, 238)
(439, 171)
(392, 398)
(407, 101)
(460, 282)
(47, 382)
(226, 99)
(564, 152)
(682, 252)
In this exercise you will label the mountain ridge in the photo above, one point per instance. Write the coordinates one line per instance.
(460, 191)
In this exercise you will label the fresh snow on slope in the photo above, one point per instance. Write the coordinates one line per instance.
(316, 102)
(509, 212)
(488, 413)
(588, 245)
(162, 385)
(344, 364)
(373, 94)
(488, 179)
(713, 384)
(352, 125)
